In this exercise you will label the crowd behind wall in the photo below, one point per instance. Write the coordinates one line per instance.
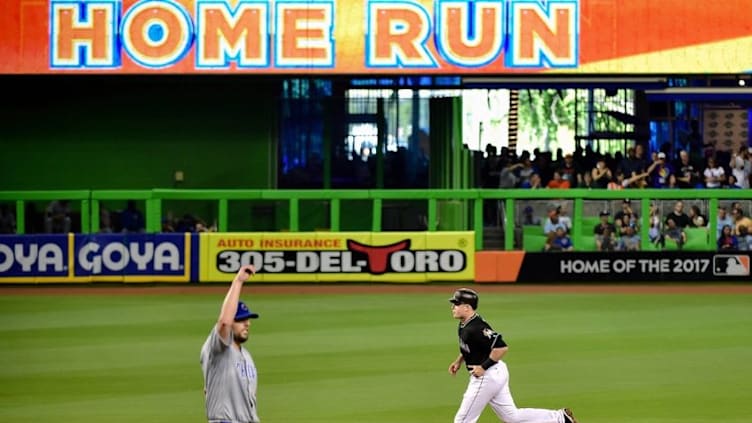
(587, 169)
(584, 168)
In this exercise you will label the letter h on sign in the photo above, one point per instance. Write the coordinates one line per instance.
(84, 34)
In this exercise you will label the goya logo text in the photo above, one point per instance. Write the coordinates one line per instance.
(113, 255)
(40, 255)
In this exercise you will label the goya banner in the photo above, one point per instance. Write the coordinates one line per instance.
(573, 267)
(340, 256)
(100, 257)
(458, 37)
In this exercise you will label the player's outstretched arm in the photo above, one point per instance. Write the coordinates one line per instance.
(230, 304)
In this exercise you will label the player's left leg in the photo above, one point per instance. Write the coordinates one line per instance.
(479, 391)
(504, 406)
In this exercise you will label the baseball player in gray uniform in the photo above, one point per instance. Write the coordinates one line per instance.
(481, 349)
(230, 377)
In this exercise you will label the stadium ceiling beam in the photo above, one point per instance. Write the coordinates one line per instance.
(702, 94)
(559, 82)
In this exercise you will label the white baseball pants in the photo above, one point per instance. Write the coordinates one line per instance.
(493, 388)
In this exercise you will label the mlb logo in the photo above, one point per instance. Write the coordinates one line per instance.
(730, 265)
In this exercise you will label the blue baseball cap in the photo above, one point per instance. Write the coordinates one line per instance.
(244, 312)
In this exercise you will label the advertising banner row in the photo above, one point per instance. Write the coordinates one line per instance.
(216, 257)
(337, 257)
(363, 37)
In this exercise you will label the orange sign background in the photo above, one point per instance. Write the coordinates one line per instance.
(373, 36)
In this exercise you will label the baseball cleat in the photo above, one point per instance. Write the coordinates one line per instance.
(568, 416)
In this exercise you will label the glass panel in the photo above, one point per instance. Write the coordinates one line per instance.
(401, 117)
(302, 132)
(605, 119)
(356, 168)
(546, 120)
(485, 119)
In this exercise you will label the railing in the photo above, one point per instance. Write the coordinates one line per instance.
(90, 202)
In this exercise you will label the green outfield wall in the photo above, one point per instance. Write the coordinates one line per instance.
(125, 133)
(452, 210)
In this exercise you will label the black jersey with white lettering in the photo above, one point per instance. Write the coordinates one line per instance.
(477, 339)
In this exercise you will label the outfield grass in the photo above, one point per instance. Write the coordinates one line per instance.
(378, 358)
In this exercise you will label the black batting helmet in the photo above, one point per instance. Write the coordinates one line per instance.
(465, 296)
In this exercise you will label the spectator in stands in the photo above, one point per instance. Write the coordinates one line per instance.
(191, 223)
(696, 218)
(558, 182)
(552, 223)
(543, 167)
(727, 241)
(534, 182)
(744, 240)
(526, 171)
(625, 166)
(737, 214)
(635, 162)
(674, 233)
(639, 180)
(741, 167)
(607, 241)
(201, 226)
(7, 220)
(625, 217)
(559, 156)
(587, 181)
(507, 176)
(723, 219)
(715, 176)
(132, 219)
(677, 214)
(687, 176)
(558, 241)
(490, 168)
(603, 226)
(640, 163)
(629, 240)
(57, 217)
(732, 183)
(585, 158)
(570, 171)
(105, 221)
(528, 217)
(186, 224)
(168, 225)
(654, 233)
(618, 182)
(601, 174)
(673, 183)
(661, 171)
(564, 217)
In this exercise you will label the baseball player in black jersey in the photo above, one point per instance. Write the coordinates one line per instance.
(481, 349)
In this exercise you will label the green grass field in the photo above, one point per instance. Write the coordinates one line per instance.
(378, 358)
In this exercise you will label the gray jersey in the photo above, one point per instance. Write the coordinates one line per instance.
(229, 379)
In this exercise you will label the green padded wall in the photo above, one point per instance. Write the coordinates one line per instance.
(134, 132)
